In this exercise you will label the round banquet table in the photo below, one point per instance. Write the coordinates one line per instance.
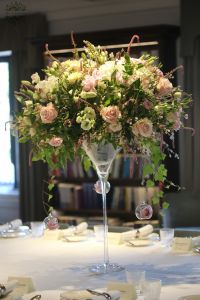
(57, 264)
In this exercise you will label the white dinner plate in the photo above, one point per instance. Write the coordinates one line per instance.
(190, 297)
(140, 243)
(46, 295)
(12, 234)
(75, 238)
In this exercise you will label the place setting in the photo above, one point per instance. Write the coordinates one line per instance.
(141, 237)
(14, 229)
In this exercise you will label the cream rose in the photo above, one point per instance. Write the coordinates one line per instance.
(164, 86)
(143, 127)
(48, 113)
(115, 127)
(74, 77)
(111, 114)
(174, 117)
(32, 131)
(55, 141)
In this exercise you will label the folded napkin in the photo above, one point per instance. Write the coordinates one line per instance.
(14, 224)
(75, 229)
(196, 241)
(85, 295)
(139, 233)
(5, 227)
(7, 288)
(81, 228)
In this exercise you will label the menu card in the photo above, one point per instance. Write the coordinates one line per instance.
(127, 290)
(182, 244)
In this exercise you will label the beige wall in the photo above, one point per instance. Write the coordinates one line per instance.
(94, 15)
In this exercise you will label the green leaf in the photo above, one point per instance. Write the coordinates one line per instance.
(128, 65)
(50, 197)
(86, 163)
(155, 199)
(148, 170)
(161, 173)
(149, 183)
(51, 186)
(160, 193)
(137, 84)
(165, 205)
(156, 196)
(23, 139)
(50, 209)
(107, 102)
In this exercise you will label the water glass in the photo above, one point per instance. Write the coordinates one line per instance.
(99, 232)
(166, 236)
(135, 278)
(37, 229)
(151, 289)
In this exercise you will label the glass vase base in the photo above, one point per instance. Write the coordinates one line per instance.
(105, 268)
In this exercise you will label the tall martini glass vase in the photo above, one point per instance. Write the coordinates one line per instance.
(102, 156)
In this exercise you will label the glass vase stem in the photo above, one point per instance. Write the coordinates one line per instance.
(105, 220)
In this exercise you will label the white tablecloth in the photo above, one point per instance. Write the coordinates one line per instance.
(54, 264)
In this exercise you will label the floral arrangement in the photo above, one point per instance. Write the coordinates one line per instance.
(100, 96)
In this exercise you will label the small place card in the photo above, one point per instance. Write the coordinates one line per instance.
(182, 244)
(55, 234)
(128, 291)
(24, 286)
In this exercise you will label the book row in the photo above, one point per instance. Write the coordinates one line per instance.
(75, 197)
(122, 167)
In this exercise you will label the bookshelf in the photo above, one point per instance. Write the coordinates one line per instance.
(78, 196)
(75, 187)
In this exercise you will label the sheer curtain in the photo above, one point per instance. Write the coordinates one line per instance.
(17, 35)
(6, 166)
(185, 206)
(190, 145)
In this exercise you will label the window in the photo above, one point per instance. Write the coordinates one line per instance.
(7, 174)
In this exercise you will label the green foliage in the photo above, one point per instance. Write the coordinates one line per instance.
(165, 205)
(148, 170)
(86, 163)
(156, 197)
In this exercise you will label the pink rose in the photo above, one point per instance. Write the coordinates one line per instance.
(89, 83)
(147, 104)
(111, 114)
(159, 72)
(48, 113)
(143, 127)
(55, 141)
(119, 77)
(164, 86)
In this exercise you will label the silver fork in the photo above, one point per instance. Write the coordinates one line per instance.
(106, 295)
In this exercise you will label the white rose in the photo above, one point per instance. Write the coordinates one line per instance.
(106, 70)
(35, 78)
